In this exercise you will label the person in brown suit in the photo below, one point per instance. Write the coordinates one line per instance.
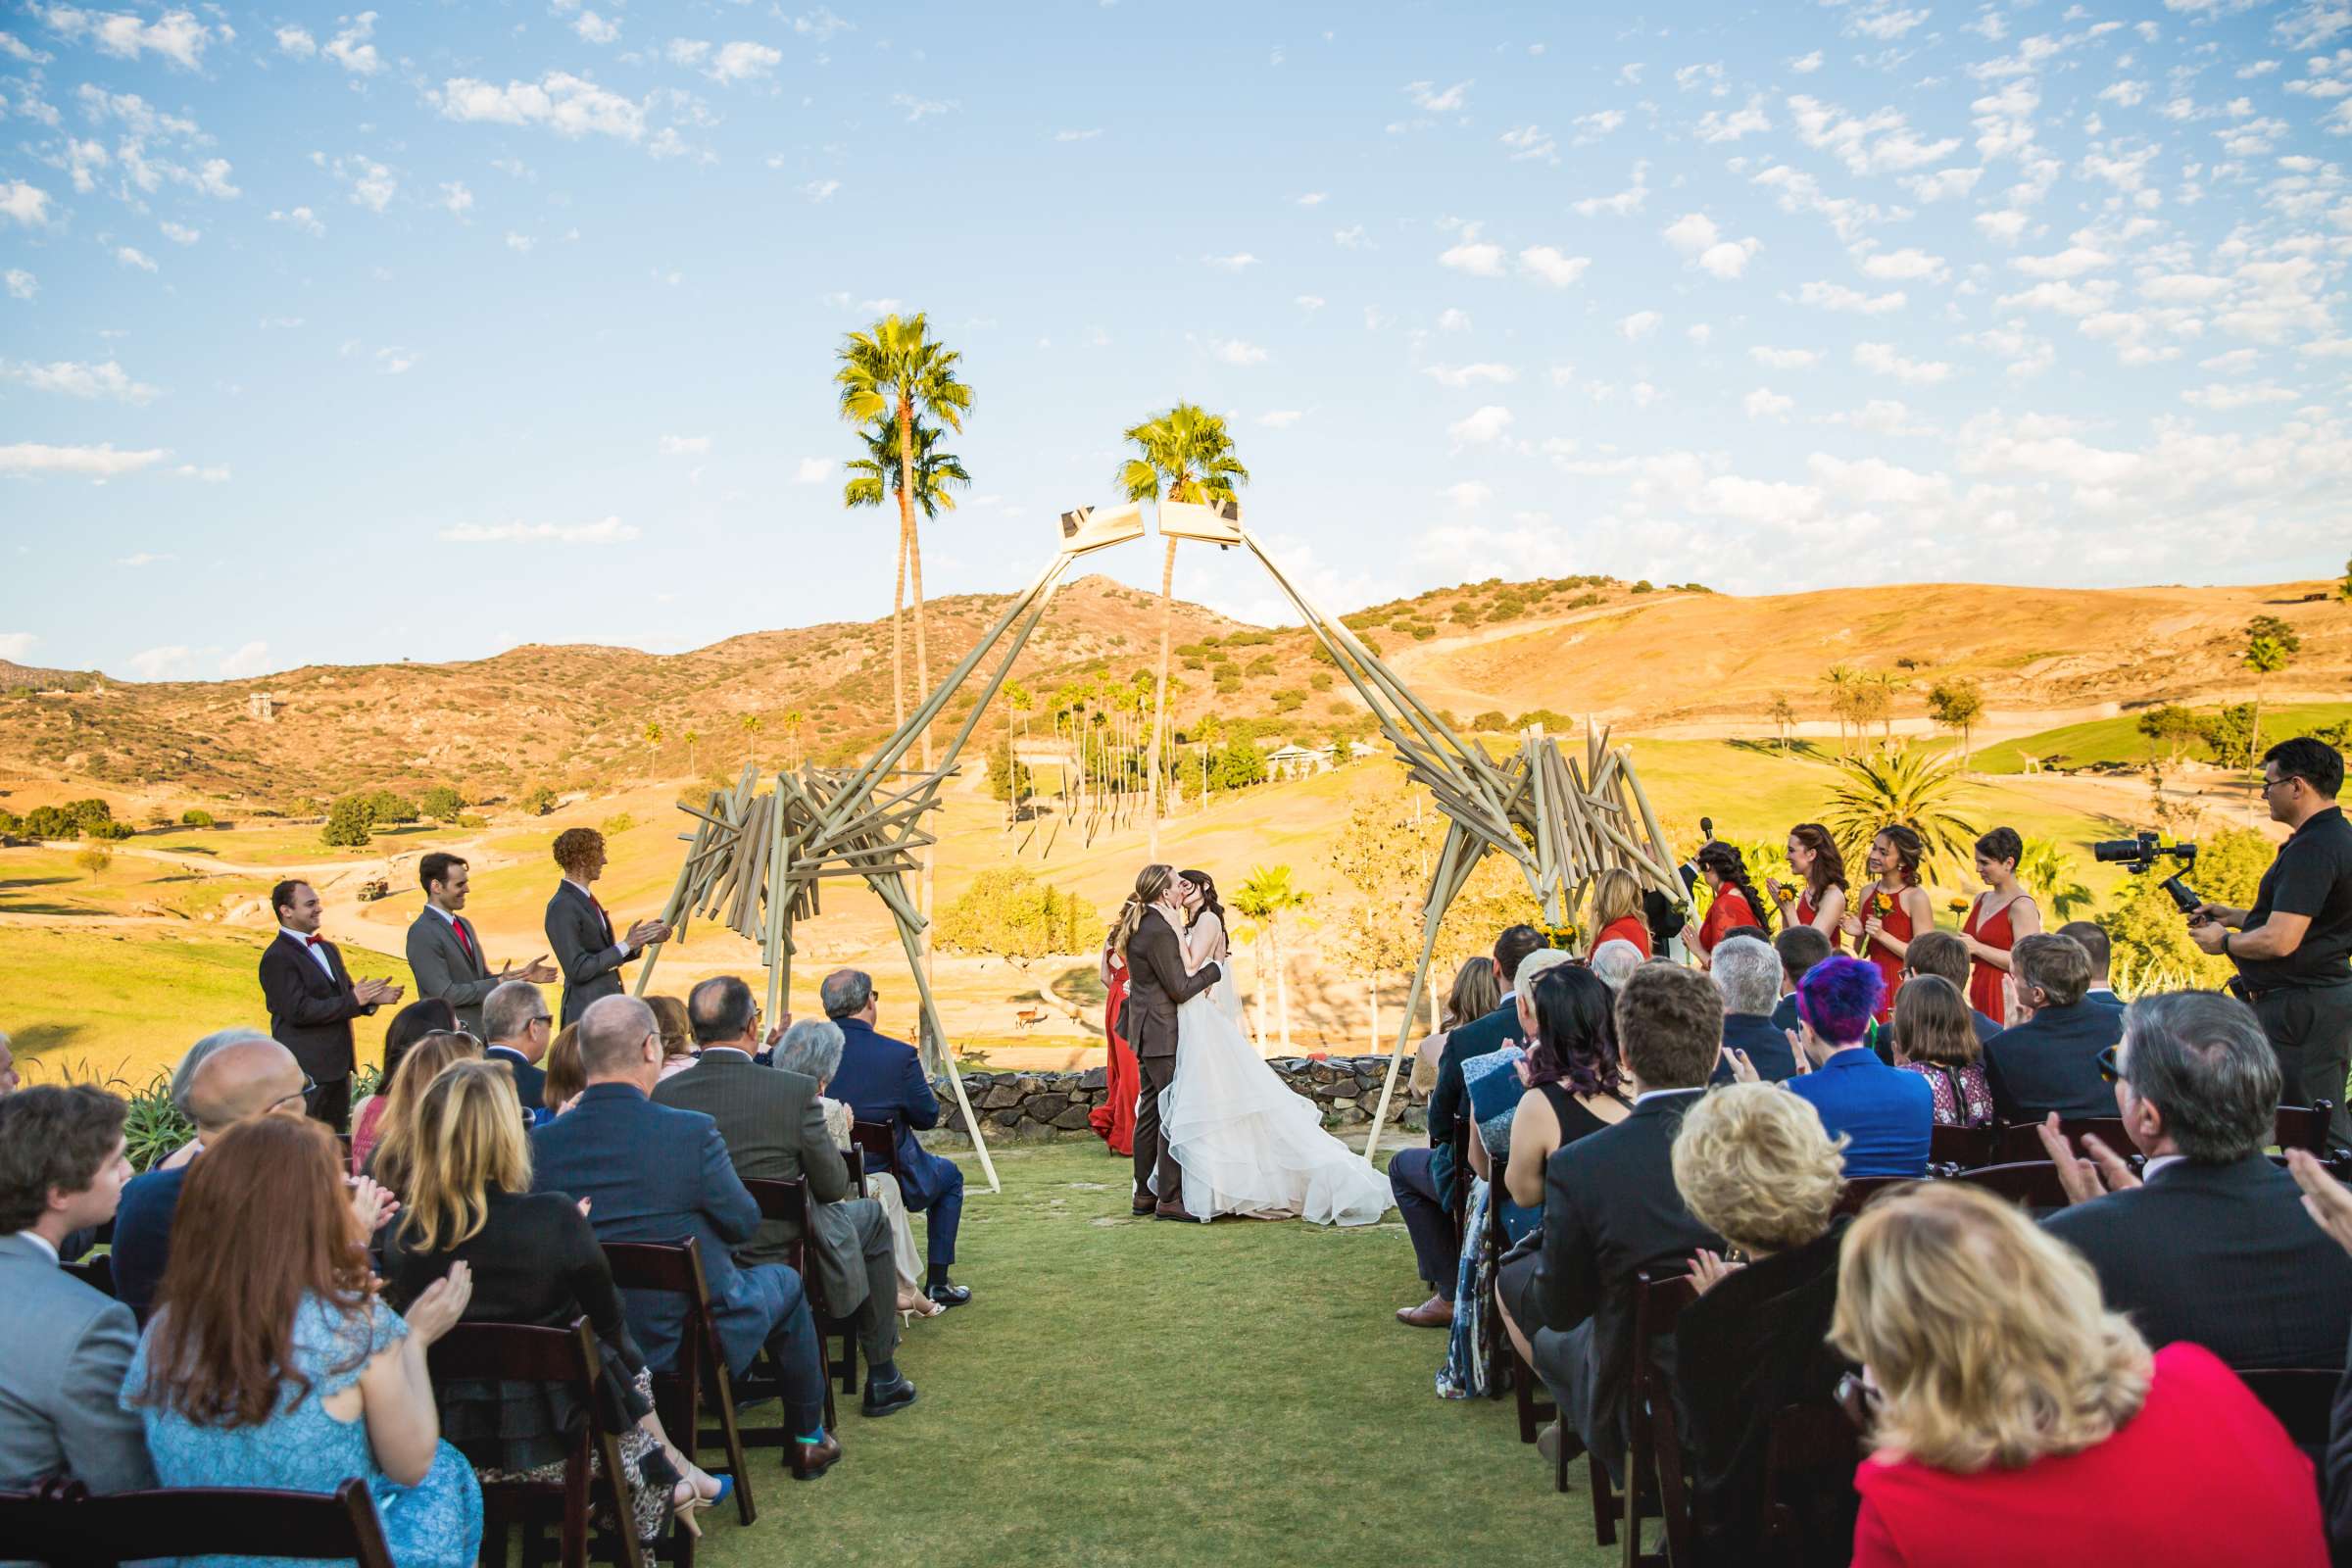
(1150, 943)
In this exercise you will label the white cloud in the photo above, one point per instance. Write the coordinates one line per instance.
(351, 49)
(1806, 65)
(301, 218)
(569, 105)
(395, 360)
(1882, 359)
(216, 473)
(1626, 202)
(1596, 124)
(146, 558)
(820, 24)
(1467, 495)
(1639, 324)
(16, 645)
(160, 663)
(604, 531)
(1461, 375)
(2223, 396)
(101, 462)
(455, 198)
(1548, 265)
(27, 203)
(1878, 143)
(1088, 135)
(2123, 94)
(21, 285)
(1945, 184)
(595, 29)
(1690, 233)
(2004, 226)
(179, 233)
(687, 51)
(1478, 258)
(296, 41)
(2072, 262)
(1529, 144)
(1314, 198)
(820, 190)
(1310, 302)
(1482, 428)
(1281, 418)
(1351, 238)
(176, 35)
(919, 109)
(252, 659)
(1903, 266)
(1695, 235)
(685, 446)
(1784, 359)
(1837, 297)
(132, 255)
(812, 470)
(1235, 351)
(75, 380)
(2068, 299)
(372, 185)
(744, 61)
(1238, 262)
(1427, 96)
(1765, 403)
(1716, 125)
(519, 243)
(1450, 319)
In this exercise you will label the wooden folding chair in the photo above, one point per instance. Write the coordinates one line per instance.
(1962, 1148)
(527, 1353)
(2304, 1127)
(790, 1203)
(98, 1272)
(701, 1364)
(63, 1525)
(1812, 1438)
(2034, 1183)
(1860, 1190)
(2021, 1142)
(1651, 1441)
(2303, 1400)
(879, 1143)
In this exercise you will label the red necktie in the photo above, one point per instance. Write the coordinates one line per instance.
(601, 914)
(463, 941)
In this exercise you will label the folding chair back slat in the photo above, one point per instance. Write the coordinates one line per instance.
(876, 1141)
(678, 1393)
(2021, 1142)
(2303, 1127)
(1654, 1444)
(1963, 1146)
(789, 1201)
(63, 1525)
(2034, 1183)
(1860, 1190)
(98, 1273)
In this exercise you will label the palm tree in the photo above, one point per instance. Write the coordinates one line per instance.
(750, 724)
(1907, 787)
(794, 718)
(653, 743)
(1784, 715)
(1183, 454)
(690, 737)
(875, 477)
(1265, 898)
(1017, 703)
(2270, 646)
(2049, 871)
(1881, 686)
(1843, 680)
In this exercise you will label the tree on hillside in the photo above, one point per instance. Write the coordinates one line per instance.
(348, 823)
(2173, 727)
(750, 724)
(690, 737)
(1183, 454)
(2152, 949)
(794, 720)
(653, 744)
(1784, 715)
(442, 804)
(1019, 700)
(1008, 913)
(2343, 590)
(2270, 646)
(1956, 704)
(875, 477)
(1269, 899)
(1874, 700)
(1906, 787)
(1842, 681)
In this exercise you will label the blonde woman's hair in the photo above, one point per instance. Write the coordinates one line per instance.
(1149, 883)
(1933, 1023)
(1615, 895)
(1475, 993)
(395, 1156)
(1985, 1335)
(470, 1139)
(1754, 1166)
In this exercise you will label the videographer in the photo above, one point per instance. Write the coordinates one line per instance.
(2290, 949)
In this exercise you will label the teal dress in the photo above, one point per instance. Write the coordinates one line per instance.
(435, 1523)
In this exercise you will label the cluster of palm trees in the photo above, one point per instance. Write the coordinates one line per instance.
(1862, 698)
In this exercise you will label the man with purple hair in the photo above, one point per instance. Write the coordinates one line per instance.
(1884, 1114)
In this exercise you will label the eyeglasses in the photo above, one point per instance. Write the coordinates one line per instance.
(1858, 1399)
(309, 1086)
(2109, 1068)
(2270, 784)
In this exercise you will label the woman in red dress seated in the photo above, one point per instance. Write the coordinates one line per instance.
(1891, 910)
(1820, 902)
(2016, 1421)
(1617, 911)
(2003, 913)
(1113, 1120)
(1735, 899)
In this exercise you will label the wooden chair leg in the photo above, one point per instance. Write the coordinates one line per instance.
(575, 1510)
(626, 1552)
(731, 1433)
(1604, 1496)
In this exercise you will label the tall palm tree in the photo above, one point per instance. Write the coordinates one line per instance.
(690, 737)
(2270, 646)
(1784, 715)
(1843, 680)
(1912, 788)
(653, 743)
(1266, 898)
(874, 478)
(794, 718)
(750, 724)
(1183, 454)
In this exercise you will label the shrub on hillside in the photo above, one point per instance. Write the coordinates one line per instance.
(95, 860)
(1238, 766)
(472, 819)
(348, 823)
(616, 824)
(195, 816)
(539, 800)
(386, 805)
(442, 804)
(1007, 913)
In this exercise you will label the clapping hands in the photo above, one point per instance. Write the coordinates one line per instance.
(1707, 1271)
(646, 932)
(376, 993)
(2083, 1179)
(2325, 1198)
(441, 1305)
(372, 1204)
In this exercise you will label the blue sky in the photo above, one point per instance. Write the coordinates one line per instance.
(424, 332)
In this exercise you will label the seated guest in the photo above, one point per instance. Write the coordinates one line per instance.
(1797, 953)
(183, 1073)
(396, 1139)
(244, 1074)
(412, 1023)
(882, 1080)
(566, 1077)
(816, 1053)
(516, 1028)
(1747, 972)
(1575, 1079)
(2018, 1421)
(1617, 911)
(272, 1362)
(2094, 938)
(655, 1174)
(2210, 1243)
(1940, 954)
(1933, 1038)
(774, 1130)
(1754, 1164)
(1475, 993)
(2051, 1062)
(677, 1034)
(1610, 1209)
(1885, 1115)
(62, 1170)
(1492, 1089)
(1614, 963)
(534, 1260)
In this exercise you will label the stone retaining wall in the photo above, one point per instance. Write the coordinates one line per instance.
(1055, 1104)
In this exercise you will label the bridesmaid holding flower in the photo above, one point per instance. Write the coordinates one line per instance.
(1891, 910)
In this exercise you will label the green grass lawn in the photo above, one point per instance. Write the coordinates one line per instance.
(2119, 739)
(1127, 1393)
(261, 845)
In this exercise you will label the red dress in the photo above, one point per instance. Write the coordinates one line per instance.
(1728, 909)
(1984, 979)
(2203, 1475)
(1897, 923)
(1626, 928)
(1113, 1120)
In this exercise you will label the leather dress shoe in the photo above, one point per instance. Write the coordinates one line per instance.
(1175, 1212)
(886, 1398)
(1435, 1314)
(809, 1460)
(947, 1295)
(1146, 1206)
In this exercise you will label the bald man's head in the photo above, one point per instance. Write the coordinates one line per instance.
(243, 1079)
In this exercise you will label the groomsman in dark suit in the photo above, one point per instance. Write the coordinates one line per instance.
(579, 931)
(312, 999)
(445, 951)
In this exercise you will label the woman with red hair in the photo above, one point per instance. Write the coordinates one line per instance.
(1821, 901)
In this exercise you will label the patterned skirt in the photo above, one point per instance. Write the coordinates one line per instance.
(648, 1477)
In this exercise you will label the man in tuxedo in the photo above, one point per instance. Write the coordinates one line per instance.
(445, 951)
(1422, 1180)
(774, 1130)
(517, 1029)
(652, 1173)
(1610, 1209)
(1747, 972)
(312, 999)
(578, 931)
(2093, 937)
(243, 1074)
(1156, 986)
(881, 1079)
(2210, 1242)
(62, 1170)
(2051, 1062)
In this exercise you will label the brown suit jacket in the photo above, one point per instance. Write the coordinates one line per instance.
(1157, 984)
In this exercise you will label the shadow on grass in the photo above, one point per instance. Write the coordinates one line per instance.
(1806, 750)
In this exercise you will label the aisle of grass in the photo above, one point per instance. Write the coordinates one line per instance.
(1125, 1392)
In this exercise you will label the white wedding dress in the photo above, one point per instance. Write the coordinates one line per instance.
(1246, 1144)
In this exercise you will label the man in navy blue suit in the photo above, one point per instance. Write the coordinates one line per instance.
(2051, 1060)
(881, 1079)
(655, 1173)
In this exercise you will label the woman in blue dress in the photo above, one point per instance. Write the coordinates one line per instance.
(270, 1363)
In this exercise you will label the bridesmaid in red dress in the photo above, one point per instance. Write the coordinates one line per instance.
(1821, 901)
(1891, 910)
(2001, 914)
(1734, 901)
(1113, 1120)
(1617, 911)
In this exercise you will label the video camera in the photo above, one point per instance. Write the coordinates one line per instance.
(2141, 853)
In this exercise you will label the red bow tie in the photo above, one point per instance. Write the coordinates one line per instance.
(314, 941)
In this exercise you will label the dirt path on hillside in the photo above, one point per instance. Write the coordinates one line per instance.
(1419, 665)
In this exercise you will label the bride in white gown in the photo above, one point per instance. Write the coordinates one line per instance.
(1247, 1144)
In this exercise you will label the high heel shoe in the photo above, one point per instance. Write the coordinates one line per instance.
(923, 1307)
(685, 1510)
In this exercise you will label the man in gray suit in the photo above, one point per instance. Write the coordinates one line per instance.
(774, 1130)
(446, 952)
(581, 934)
(68, 1347)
